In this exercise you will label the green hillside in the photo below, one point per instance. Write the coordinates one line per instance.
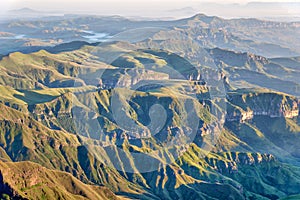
(148, 124)
(26, 180)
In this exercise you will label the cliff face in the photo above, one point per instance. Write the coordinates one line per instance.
(244, 106)
(236, 160)
(237, 167)
(129, 77)
(229, 58)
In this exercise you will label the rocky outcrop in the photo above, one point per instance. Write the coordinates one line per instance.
(128, 77)
(243, 107)
(225, 58)
(237, 159)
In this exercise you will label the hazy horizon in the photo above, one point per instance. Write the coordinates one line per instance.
(161, 9)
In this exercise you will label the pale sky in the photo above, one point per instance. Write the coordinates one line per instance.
(142, 7)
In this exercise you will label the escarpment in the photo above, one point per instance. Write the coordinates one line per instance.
(243, 107)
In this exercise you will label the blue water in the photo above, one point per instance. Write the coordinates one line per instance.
(15, 37)
(96, 37)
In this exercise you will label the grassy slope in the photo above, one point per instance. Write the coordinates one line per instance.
(23, 138)
(94, 171)
(30, 180)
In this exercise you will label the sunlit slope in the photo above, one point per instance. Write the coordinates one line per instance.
(120, 64)
(56, 148)
(74, 127)
(27, 180)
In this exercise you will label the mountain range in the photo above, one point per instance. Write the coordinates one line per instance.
(198, 108)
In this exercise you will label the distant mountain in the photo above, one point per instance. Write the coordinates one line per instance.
(249, 35)
(183, 11)
(273, 4)
(24, 11)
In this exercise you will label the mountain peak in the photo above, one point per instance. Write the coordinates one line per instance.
(204, 18)
(199, 15)
(24, 10)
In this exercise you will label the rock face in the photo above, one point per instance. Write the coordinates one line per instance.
(129, 78)
(243, 107)
(238, 160)
(237, 59)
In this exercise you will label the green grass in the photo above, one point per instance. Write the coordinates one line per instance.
(29, 180)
